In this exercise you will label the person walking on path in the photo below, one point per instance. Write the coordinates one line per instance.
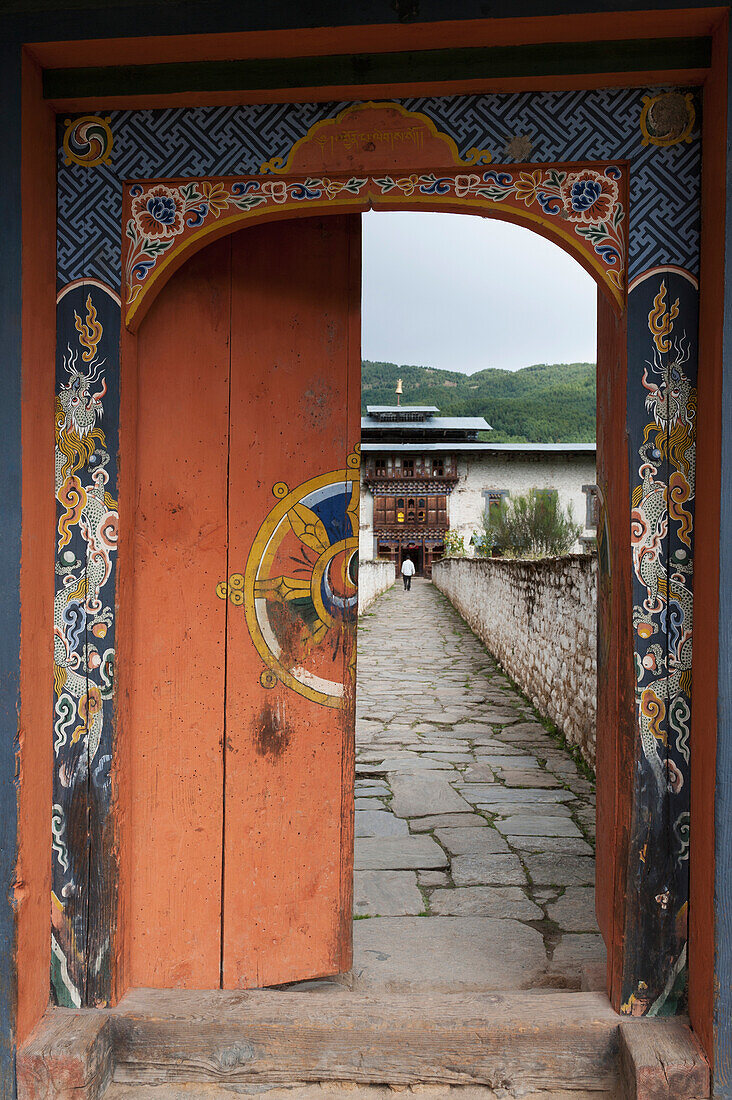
(408, 572)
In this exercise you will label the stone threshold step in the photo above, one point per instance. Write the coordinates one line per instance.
(521, 1042)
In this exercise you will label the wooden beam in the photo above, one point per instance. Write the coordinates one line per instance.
(69, 1057)
(531, 60)
(662, 1060)
(539, 1041)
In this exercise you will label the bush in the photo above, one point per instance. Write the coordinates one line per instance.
(454, 545)
(534, 525)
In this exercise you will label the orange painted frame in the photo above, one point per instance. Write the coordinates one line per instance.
(38, 156)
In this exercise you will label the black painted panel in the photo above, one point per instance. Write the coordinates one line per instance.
(542, 59)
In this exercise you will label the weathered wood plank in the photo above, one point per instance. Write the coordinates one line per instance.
(175, 679)
(289, 746)
(533, 1039)
(336, 1091)
(68, 1057)
(531, 59)
(662, 1060)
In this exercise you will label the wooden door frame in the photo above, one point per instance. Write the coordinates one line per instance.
(286, 196)
(32, 951)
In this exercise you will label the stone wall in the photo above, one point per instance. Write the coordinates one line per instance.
(374, 577)
(539, 620)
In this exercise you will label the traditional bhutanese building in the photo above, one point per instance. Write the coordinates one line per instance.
(423, 474)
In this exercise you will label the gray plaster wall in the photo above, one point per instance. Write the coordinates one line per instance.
(539, 619)
(374, 577)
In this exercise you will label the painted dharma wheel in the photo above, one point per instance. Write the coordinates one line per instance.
(300, 586)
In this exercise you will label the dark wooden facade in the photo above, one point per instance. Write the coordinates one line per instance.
(411, 506)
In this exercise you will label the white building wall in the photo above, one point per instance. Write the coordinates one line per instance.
(366, 547)
(565, 473)
(518, 473)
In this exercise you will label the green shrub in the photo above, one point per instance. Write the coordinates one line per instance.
(529, 526)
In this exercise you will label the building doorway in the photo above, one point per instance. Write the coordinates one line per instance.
(415, 552)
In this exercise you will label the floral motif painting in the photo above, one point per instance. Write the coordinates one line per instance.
(583, 209)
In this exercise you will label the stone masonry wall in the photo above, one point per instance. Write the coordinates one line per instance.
(374, 577)
(538, 618)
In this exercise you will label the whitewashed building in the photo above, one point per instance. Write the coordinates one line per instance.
(423, 474)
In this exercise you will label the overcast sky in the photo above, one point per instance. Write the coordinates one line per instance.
(463, 293)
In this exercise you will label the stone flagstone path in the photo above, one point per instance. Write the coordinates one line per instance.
(474, 829)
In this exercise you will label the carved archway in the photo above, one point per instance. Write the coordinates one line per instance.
(380, 157)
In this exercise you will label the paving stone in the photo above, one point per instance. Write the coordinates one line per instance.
(446, 954)
(478, 792)
(486, 738)
(370, 822)
(555, 869)
(537, 825)
(472, 842)
(523, 762)
(432, 878)
(524, 729)
(527, 777)
(415, 763)
(549, 893)
(446, 821)
(490, 747)
(368, 788)
(484, 901)
(496, 870)
(386, 893)
(446, 750)
(498, 793)
(479, 773)
(398, 853)
(421, 795)
(575, 910)
(523, 807)
(572, 953)
(499, 715)
(565, 845)
(367, 804)
(452, 757)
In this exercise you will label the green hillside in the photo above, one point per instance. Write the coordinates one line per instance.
(540, 404)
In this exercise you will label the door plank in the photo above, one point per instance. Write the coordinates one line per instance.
(295, 395)
(176, 698)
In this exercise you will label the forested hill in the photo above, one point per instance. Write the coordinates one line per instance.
(540, 404)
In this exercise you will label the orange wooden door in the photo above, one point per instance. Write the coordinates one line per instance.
(242, 717)
(293, 534)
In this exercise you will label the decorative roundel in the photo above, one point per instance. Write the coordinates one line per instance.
(301, 586)
(88, 141)
(667, 118)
